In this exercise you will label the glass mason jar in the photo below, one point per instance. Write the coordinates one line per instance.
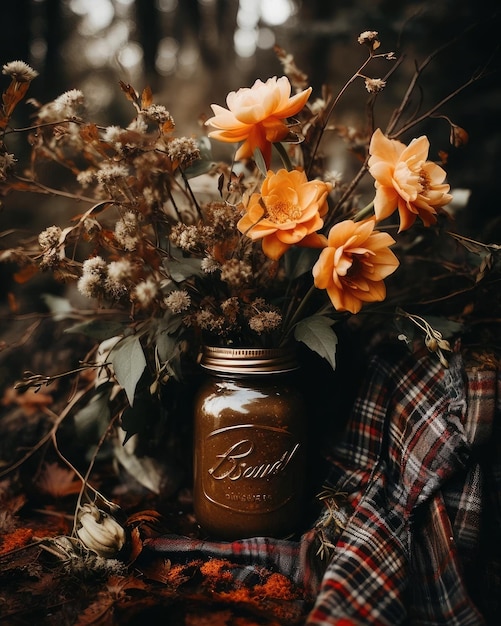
(250, 444)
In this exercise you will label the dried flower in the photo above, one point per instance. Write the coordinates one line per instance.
(369, 38)
(183, 150)
(19, 71)
(145, 292)
(190, 238)
(66, 104)
(458, 137)
(178, 300)
(209, 265)
(265, 322)
(111, 172)
(99, 531)
(113, 134)
(236, 273)
(126, 231)
(91, 283)
(6, 162)
(119, 276)
(406, 181)
(49, 237)
(86, 177)
(373, 85)
(433, 338)
(257, 116)
(159, 114)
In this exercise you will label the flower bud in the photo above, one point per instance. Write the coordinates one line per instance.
(459, 137)
(100, 532)
(431, 343)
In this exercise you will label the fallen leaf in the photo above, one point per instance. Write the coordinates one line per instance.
(58, 481)
(30, 401)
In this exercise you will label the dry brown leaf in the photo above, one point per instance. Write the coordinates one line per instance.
(146, 97)
(25, 274)
(136, 545)
(30, 401)
(58, 481)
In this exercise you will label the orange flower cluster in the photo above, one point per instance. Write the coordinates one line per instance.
(289, 209)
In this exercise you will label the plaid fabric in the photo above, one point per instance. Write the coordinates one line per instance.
(415, 538)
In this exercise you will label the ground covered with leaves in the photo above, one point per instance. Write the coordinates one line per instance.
(46, 576)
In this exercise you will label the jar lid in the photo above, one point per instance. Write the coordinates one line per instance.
(249, 360)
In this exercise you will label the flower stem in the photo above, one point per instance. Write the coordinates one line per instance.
(298, 312)
(365, 212)
(332, 105)
(190, 191)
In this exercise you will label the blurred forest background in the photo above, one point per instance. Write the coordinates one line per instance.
(192, 52)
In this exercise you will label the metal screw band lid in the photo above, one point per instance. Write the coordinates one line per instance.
(248, 360)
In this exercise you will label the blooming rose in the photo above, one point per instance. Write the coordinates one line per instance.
(256, 116)
(287, 212)
(406, 181)
(353, 265)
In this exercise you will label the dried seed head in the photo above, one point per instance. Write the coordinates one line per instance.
(373, 85)
(99, 531)
(370, 39)
(19, 71)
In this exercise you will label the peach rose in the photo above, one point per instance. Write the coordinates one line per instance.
(256, 116)
(406, 181)
(287, 212)
(353, 265)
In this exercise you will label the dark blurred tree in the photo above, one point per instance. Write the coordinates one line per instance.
(149, 31)
(16, 32)
(210, 26)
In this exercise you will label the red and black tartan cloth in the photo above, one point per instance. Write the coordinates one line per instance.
(415, 537)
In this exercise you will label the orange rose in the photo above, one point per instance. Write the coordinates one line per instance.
(287, 212)
(353, 265)
(406, 181)
(256, 116)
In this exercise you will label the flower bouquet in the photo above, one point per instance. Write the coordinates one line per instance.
(171, 249)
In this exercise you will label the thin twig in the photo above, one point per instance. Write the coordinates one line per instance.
(418, 72)
(58, 420)
(63, 194)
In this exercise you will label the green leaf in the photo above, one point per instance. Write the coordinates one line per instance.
(59, 307)
(166, 345)
(260, 162)
(299, 261)
(316, 333)
(182, 269)
(93, 418)
(129, 362)
(137, 419)
(205, 163)
(98, 329)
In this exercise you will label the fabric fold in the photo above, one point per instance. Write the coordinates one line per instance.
(408, 482)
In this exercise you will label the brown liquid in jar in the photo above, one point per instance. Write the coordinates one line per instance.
(249, 455)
